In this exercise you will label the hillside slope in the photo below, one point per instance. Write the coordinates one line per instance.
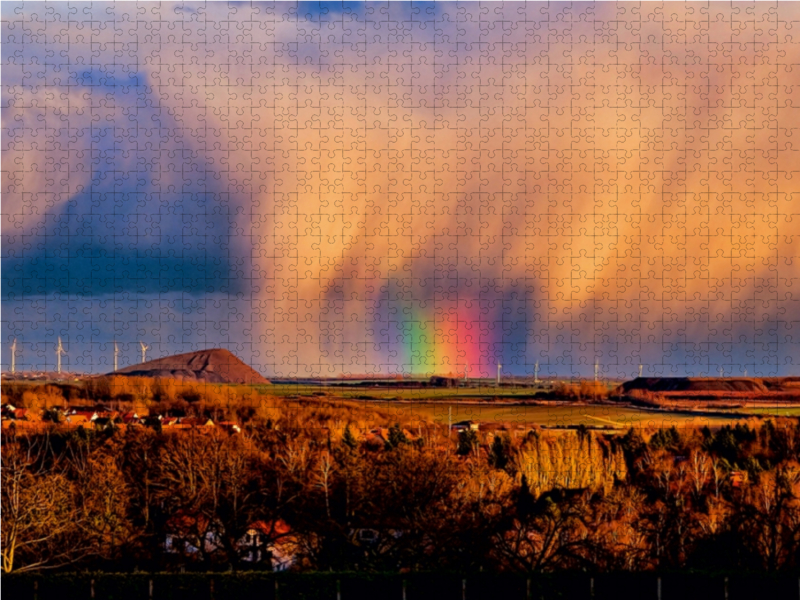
(210, 366)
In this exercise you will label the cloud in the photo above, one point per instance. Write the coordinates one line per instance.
(636, 171)
(129, 206)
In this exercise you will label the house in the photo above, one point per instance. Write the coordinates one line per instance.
(130, 418)
(230, 427)
(192, 535)
(379, 434)
(27, 414)
(269, 539)
(446, 382)
(466, 425)
(374, 541)
(152, 421)
(21, 414)
(169, 421)
(737, 478)
(103, 423)
(81, 414)
(191, 422)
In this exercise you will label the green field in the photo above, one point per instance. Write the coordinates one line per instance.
(776, 411)
(618, 417)
(390, 393)
(434, 404)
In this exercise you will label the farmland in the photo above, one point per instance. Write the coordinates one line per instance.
(559, 414)
(518, 406)
(621, 417)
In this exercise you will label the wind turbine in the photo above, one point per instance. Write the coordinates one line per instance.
(116, 355)
(499, 366)
(14, 356)
(145, 348)
(596, 370)
(640, 370)
(536, 372)
(59, 351)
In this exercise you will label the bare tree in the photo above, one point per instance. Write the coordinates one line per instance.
(41, 523)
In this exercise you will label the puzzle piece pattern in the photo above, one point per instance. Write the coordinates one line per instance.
(404, 188)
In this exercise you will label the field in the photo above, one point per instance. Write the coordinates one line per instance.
(488, 392)
(551, 416)
(509, 405)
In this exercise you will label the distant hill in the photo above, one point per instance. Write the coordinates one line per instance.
(688, 385)
(209, 366)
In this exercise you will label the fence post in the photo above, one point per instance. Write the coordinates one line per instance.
(658, 589)
(91, 589)
(528, 589)
(211, 589)
(35, 589)
(338, 589)
(150, 590)
(463, 589)
(726, 588)
(591, 587)
(404, 589)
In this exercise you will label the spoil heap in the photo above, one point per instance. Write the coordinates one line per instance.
(209, 366)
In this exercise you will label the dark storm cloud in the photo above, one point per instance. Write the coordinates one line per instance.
(151, 220)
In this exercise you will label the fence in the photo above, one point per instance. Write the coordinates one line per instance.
(416, 586)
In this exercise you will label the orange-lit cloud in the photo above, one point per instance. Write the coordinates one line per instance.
(602, 181)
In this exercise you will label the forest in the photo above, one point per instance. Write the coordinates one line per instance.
(320, 486)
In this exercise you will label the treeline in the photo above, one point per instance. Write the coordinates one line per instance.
(331, 498)
(168, 397)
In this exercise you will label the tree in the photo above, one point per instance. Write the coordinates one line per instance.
(467, 442)
(209, 481)
(348, 439)
(40, 520)
(396, 437)
(500, 452)
(552, 535)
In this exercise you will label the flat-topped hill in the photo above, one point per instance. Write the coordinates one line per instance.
(688, 385)
(210, 366)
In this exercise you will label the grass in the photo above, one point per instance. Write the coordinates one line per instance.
(488, 392)
(619, 417)
(777, 411)
(434, 404)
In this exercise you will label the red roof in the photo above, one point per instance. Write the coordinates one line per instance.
(274, 528)
(183, 523)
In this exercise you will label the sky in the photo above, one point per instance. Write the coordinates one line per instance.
(404, 188)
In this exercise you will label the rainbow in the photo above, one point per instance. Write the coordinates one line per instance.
(452, 342)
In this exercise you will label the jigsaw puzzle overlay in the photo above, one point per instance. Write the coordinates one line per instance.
(415, 188)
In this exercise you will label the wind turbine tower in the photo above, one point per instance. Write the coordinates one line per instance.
(14, 356)
(596, 370)
(640, 370)
(499, 366)
(116, 355)
(59, 351)
(145, 348)
(536, 372)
